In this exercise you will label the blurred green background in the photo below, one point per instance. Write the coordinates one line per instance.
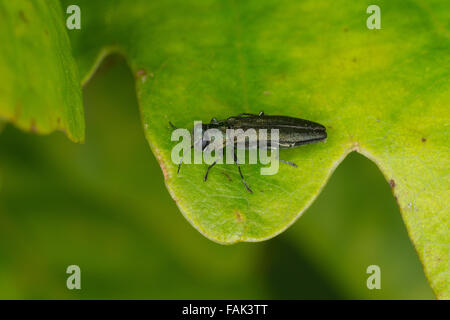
(103, 206)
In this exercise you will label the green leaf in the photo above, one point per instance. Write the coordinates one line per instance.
(39, 85)
(383, 93)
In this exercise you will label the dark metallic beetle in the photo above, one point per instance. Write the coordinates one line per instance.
(293, 132)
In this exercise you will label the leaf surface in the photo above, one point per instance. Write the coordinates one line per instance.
(383, 93)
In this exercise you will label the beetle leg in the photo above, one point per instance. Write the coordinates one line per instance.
(181, 161)
(207, 170)
(289, 163)
(240, 172)
(179, 165)
(211, 165)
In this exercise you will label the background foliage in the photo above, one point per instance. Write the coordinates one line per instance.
(39, 86)
(104, 209)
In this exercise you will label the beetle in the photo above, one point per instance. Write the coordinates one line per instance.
(293, 132)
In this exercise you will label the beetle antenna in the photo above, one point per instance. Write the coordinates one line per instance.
(171, 124)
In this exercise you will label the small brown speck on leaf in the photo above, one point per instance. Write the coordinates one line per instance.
(226, 175)
(141, 74)
(22, 16)
(33, 127)
(238, 216)
(424, 139)
(392, 183)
